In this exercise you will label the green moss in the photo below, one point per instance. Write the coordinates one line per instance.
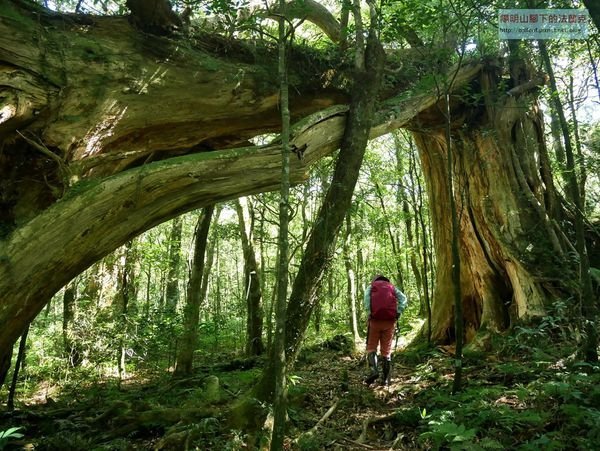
(80, 188)
(93, 54)
(25, 23)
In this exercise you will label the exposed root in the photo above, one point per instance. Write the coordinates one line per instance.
(311, 432)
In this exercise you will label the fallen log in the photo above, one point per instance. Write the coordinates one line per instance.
(311, 432)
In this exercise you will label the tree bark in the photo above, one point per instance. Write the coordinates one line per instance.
(418, 207)
(278, 351)
(351, 291)
(402, 201)
(173, 259)
(513, 258)
(185, 358)
(252, 286)
(19, 364)
(209, 261)
(124, 296)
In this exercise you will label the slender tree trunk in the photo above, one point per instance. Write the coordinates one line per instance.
(351, 292)
(559, 151)
(318, 312)
(174, 261)
(305, 216)
(146, 312)
(216, 310)
(123, 297)
(5, 362)
(71, 348)
(581, 165)
(209, 261)
(458, 315)
(185, 357)
(271, 315)
(278, 351)
(19, 364)
(402, 200)
(345, 16)
(252, 286)
(417, 200)
(320, 247)
(360, 276)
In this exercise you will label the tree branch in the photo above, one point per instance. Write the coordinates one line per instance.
(313, 12)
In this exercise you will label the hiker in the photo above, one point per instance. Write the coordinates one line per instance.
(384, 304)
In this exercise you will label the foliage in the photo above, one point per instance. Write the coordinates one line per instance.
(510, 401)
(9, 434)
(538, 336)
(449, 434)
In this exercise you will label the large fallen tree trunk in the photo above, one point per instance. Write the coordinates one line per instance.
(83, 122)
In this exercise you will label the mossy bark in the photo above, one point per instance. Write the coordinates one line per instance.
(194, 298)
(513, 254)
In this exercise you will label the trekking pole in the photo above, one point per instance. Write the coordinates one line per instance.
(367, 341)
(367, 337)
(397, 335)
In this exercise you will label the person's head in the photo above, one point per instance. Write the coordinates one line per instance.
(380, 277)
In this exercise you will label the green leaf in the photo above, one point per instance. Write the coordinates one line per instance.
(11, 432)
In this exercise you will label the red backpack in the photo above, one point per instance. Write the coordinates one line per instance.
(384, 304)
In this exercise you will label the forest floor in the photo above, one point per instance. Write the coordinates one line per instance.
(532, 402)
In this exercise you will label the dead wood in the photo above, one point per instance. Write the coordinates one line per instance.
(311, 432)
(398, 438)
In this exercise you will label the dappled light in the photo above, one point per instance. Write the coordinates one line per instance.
(113, 113)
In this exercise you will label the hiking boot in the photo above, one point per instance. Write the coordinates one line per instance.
(374, 374)
(387, 368)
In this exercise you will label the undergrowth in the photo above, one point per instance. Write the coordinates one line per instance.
(529, 393)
